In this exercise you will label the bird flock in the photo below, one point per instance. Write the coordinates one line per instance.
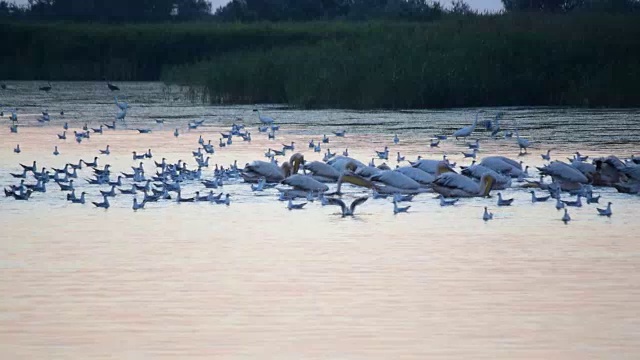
(296, 179)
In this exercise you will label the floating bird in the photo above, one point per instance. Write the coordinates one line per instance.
(534, 198)
(55, 151)
(176, 133)
(445, 202)
(46, 88)
(346, 211)
(577, 203)
(339, 133)
(136, 205)
(547, 156)
(487, 215)
(104, 204)
(144, 131)
(62, 136)
(559, 204)
(112, 87)
(397, 209)
(434, 143)
(396, 139)
(292, 206)
(566, 218)
(605, 212)
(105, 151)
(504, 202)
(400, 158)
(17, 149)
(325, 139)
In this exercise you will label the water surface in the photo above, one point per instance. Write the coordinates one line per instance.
(254, 280)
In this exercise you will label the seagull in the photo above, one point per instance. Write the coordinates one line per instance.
(176, 133)
(104, 204)
(112, 87)
(347, 211)
(566, 218)
(559, 204)
(55, 151)
(577, 203)
(46, 88)
(396, 139)
(17, 149)
(445, 202)
(105, 151)
(534, 198)
(400, 158)
(137, 205)
(605, 212)
(397, 209)
(434, 143)
(522, 143)
(292, 206)
(345, 152)
(339, 133)
(504, 202)
(487, 215)
(62, 136)
(547, 156)
(325, 139)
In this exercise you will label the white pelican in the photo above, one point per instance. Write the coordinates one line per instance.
(305, 183)
(503, 165)
(321, 171)
(346, 211)
(396, 180)
(605, 212)
(451, 184)
(476, 172)
(264, 119)
(422, 177)
(467, 130)
(271, 172)
(566, 175)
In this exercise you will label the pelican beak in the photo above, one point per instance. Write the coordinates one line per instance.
(488, 185)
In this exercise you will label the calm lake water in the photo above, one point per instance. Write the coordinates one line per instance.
(256, 281)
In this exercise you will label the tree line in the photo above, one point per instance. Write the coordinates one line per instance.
(108, 10)
(284, 10)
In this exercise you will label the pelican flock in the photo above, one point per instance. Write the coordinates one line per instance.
(290, 173)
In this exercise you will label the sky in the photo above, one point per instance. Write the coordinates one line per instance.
(481, 5)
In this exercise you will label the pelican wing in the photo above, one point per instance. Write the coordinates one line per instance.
(426, 165)
(502, 165)
(340, 162)
(457, 182)
(270, 171)
(396, 179)
(416, 174)
(318, 168)
(564, 172)
(304, 182)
